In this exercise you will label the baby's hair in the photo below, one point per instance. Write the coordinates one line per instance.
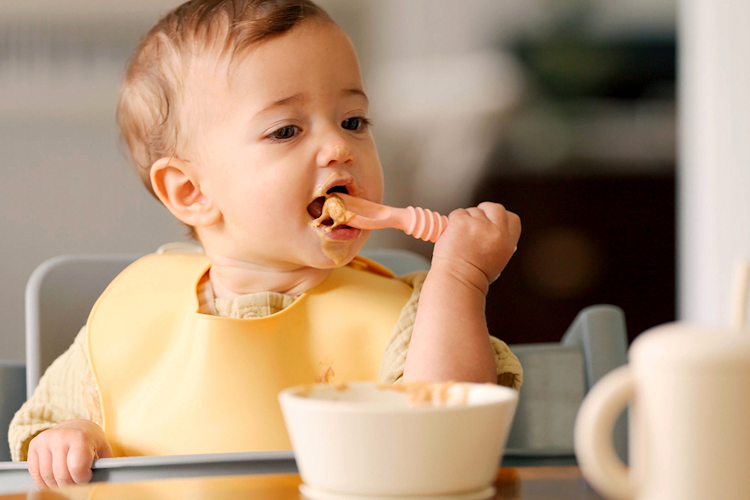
(148, 108)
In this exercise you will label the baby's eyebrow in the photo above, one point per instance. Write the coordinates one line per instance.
(356, 92)
(298, 97)
(284, 101)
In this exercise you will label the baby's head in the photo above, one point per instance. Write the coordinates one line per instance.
(239, 115)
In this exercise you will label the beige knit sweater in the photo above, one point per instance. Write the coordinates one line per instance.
(67, 390)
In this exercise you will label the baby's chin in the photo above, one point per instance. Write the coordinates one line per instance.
(338, 246)
(337, 254)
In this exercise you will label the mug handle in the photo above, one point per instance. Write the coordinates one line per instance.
(593, 441)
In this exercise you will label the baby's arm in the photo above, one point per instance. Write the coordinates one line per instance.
(57, 413)
(450, 340)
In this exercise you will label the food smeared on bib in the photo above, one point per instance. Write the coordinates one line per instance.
(327, 378)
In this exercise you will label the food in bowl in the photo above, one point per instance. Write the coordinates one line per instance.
(432, 393)
(366, 439)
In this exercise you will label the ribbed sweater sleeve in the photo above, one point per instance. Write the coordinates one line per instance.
(60, 396)
(509, 371)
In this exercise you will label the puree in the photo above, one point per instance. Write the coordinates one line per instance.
(334, 209)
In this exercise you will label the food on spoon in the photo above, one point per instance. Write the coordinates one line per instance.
(334, 209)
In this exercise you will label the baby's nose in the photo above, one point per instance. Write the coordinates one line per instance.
(337, 153)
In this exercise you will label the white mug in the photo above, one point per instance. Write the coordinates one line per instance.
(688, 389)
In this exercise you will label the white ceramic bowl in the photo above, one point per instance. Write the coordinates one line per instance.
(368, 441)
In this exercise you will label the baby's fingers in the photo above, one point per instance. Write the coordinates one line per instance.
(33, 465)
(498, 214)
(40, 467)
(60, 466)
(79, 461)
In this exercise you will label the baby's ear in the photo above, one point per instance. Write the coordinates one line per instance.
(175, 184)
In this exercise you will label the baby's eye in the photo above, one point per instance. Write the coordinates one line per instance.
(284, 133)
(355, 124)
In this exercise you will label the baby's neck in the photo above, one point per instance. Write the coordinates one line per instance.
(231, 278)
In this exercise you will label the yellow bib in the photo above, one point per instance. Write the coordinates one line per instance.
(174, 381)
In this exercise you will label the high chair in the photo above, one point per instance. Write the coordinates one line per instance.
(62, 290)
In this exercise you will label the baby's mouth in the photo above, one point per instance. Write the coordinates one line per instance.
(315, 208)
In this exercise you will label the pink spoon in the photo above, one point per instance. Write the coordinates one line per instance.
(414, 221)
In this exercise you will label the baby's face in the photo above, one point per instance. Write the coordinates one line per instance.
(287, 127)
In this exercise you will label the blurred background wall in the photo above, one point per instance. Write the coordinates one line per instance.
(563, 110)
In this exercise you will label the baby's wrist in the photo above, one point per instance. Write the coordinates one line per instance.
(461, 273)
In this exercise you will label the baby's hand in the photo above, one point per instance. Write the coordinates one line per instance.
(63, 455)
(477, 244)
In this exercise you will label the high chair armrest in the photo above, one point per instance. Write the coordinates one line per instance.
(14, 476)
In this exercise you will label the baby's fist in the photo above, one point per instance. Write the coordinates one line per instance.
(478, 243)
(63, 455)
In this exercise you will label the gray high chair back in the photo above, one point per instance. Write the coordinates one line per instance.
(62, 290)
(557, 376)
(59, 296)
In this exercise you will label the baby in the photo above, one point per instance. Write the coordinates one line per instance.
(241, 116)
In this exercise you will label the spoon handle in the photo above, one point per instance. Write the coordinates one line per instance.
(425, 224)
(419, 222)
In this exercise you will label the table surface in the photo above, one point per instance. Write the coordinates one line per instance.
(523, 483)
